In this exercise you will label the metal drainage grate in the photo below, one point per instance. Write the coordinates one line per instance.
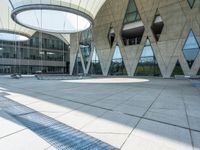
(55, 133)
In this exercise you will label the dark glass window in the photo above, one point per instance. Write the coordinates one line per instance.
(132, 13)
(191, 49)
(85, 45)
(117, 65)
(111, 36)
(198, 73)
(177, 70)
(95, 66)
(157, 26)
(148, 65)
(78, 68)
(133, 27)
(191, 3)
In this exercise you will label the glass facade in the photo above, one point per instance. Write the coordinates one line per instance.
(95, 66)
(157, 26)
(85, 45)
(117, 66)
(177, 70)
(148, 65)
(133, 28)
(78, 68)
(191, 49)
(191, 3)
(28, 57)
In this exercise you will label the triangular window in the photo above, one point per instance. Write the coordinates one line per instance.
(95, 66)
(177, 70)
(191, 3)
(148, 65)
(85, 45)
(117, 65)
(78, 68)
(111, 36)
(133, 27)
(191, 49)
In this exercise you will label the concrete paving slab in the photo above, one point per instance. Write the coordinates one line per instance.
(155, 136)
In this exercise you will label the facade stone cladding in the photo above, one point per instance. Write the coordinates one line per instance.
(178, 18)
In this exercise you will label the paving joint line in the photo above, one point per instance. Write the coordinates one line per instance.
(142, 117)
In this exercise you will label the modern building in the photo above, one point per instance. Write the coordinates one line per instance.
(111, 37)
(42, 53)
(109, 74)
(141, 38)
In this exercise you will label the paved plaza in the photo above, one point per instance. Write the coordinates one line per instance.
(101, 113)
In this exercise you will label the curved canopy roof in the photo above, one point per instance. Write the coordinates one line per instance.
(9, 30)
(57, 16)
(90, 7)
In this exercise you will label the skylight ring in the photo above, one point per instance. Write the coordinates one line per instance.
(60, 9)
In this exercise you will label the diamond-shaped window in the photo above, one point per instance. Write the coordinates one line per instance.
(191, 3)
(133, 27)
(111, 36)
(148, 65)
(191, 48)
(157, 25)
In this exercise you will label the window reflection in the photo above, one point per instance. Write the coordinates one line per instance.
(133, 27)
(191, 3)
(85, 45)
(191, 49)
(157, 26)
(95, 66)
(147, 65)
(117, 65)
(25, 57)
(78, 68)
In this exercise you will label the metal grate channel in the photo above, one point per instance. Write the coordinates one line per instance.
(55, 133)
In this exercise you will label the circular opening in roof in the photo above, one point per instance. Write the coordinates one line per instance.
(11, 36)
(54, 19)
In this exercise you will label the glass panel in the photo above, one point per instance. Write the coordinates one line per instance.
(95, 67)
(198, 72)
(117, 65)
(147, 65)
(111, 36)
(78, 68)
(130, 17)
(191, 49)
(85, 45)
(132, 13)
(32, 56)
(133, 27)
(157, 26)
(191, 3)
(177, 70)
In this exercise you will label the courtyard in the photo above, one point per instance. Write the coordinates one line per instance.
(119, 113)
